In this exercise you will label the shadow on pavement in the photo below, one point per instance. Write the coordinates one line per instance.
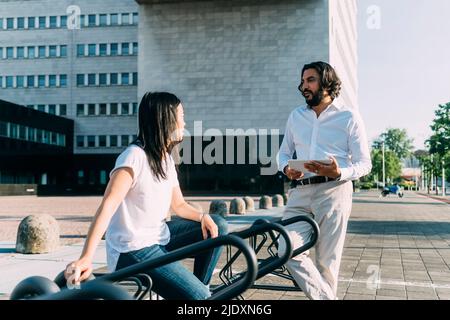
(419, 228)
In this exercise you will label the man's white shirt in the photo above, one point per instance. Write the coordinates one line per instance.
(338, 132)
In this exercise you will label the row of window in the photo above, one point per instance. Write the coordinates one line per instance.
(56, 109)
(103, 109)
(107, 49)
(21, 132)
(60, 51)
(107, 79)
(105, 141)
(53, 22)
(33, 52)
(32, 81)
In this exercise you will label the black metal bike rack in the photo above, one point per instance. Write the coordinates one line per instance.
(274, 264)
(40, 287)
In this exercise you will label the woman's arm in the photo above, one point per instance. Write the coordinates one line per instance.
(117, 188)
(186, 211)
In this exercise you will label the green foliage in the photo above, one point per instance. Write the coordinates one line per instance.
(393, 166)
(395, 140)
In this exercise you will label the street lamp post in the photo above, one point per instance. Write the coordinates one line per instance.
(384, 168)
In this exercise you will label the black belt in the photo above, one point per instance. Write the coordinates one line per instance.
(313, 180)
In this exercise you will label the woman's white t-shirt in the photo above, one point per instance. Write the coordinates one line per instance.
(139, 221)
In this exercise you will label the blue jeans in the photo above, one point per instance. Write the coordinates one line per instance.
(173, 281)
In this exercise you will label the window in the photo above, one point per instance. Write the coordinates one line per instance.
(135, 108)
(113, 141)
(91, 141)
(41, 107)
(125, 48)
(10, 23)
(135, 48)
(63, 80)
(125, 18)
(114, 49)
(103, 19)
(1, 23)
(52, 81)
(31, 134)
(102, 141)
(102, 177)
(20, 23)
(80, 141)
(42, 22)
(31, 22)
(125, 78)
(63, 51)
(30, 81)
(102, 79)
(91, 20)
(9, 81)
(82, 21)
(52, 51)
(80, 79)
(20, 52)
(19, 82)
(91, 79)
(1, 52)
(41, 81)
(113, 108)
(103, 47)
(81, 179)
(91, 50)
(102, 109)
(80, 109)
(114, 19)
(52, 22)
(52, 108)
(80, 50)
(124, 109)
(63, 21)
(113, 78)
(1, 82)
(9, 53)
(135, 78)
(91, 109)
(31, 53)
(41, 51)
(124, 140)
(62, 109)
(135, 18)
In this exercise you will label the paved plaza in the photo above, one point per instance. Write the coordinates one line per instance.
(395, 248)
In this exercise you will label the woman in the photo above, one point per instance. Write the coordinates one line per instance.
(143, 186)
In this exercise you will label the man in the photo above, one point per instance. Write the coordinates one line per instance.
(317, 131)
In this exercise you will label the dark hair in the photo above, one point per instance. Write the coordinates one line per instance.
(157, 123)
(329, 79)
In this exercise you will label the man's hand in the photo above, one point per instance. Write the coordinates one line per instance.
(327, 170)
(293, 174)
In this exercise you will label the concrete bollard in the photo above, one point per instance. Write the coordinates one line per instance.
(237, 206)
(249, 204)
(277, 200)
(265, 202)
(37, 234)
(218, 207)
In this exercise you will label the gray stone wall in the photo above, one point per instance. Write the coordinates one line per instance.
(234, 64)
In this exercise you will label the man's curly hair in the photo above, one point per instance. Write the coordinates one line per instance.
(329, 79)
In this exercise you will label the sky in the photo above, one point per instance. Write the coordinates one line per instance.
(404, 64)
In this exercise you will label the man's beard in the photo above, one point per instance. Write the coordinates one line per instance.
(316, 98)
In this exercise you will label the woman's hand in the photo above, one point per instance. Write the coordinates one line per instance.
(208, 225)
(78, 271)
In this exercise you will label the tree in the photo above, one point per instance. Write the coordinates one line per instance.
(393, 168)
(439, 142)
(395, 140)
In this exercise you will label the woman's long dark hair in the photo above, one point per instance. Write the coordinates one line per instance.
(157, 124)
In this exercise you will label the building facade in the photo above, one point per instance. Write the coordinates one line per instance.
(75, 59)
(236, 66)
